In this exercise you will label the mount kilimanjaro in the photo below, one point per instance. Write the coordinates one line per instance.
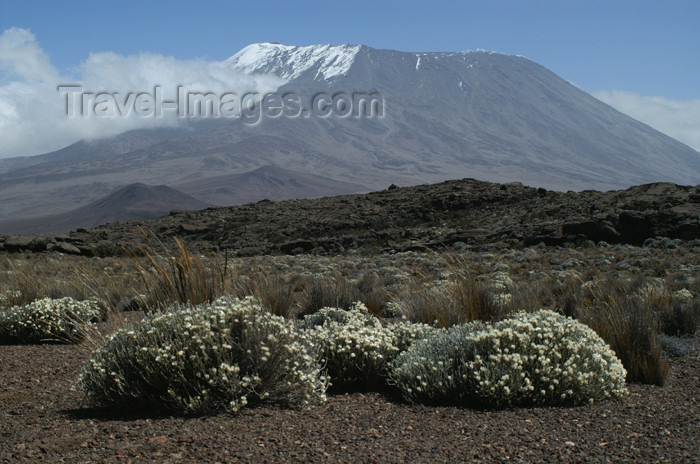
(477, 114)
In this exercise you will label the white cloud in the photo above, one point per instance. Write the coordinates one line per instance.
(33, 116)
(21, 56)
(678, 119)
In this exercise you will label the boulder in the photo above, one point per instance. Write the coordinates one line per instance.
(18, 242)
(67, 248)
(595, 230)
(192, 228)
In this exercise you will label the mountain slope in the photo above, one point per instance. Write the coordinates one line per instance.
(136, 201)
(267, 182)
(444, 116)
(489, 116)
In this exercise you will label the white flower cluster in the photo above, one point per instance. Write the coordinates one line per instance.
(683, 295)
(355, 347)
(47, 320)
(540, 358)
(211, 357)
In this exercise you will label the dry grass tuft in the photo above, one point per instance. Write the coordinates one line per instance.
(183, 278)
(272, 291)
(340, 292)
(627, 322)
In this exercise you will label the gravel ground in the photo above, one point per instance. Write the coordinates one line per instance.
(44, 418)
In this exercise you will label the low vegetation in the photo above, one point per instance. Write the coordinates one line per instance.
(339, 292)
(356, 348)
(445, 303)
(539, 358)
(460, 328)
(183, 277)
(217, 356)
(49, 320)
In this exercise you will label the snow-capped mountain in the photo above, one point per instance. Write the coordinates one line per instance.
(447, 115)
(471, 114)
(290, 62)
(325, 61)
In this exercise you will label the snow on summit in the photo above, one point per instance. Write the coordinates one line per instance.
(289, 62)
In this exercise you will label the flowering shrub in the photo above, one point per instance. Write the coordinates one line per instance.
(406, 332)
(53, 320)
(213, 357)
(539, 358)
(355, 347)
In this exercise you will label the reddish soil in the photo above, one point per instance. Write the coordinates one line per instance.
(44, 418)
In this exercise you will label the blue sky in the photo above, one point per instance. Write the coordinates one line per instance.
(641, 56)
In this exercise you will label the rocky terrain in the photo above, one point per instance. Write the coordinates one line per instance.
(460, 214)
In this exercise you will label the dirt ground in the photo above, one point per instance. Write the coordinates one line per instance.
(45, 419)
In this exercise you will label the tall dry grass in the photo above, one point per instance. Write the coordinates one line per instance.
(628, 323)
(338, 291)
(182, 277)
(26, 278)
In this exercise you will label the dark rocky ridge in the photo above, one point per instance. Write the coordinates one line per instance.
(460, 214)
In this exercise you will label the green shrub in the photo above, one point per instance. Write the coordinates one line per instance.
(355, 347)
(539, 358)
(207, 358)
(47, 320)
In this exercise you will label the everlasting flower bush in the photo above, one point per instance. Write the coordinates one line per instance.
(530, 359)
(47, 320)
(355, 347)
(213, 357)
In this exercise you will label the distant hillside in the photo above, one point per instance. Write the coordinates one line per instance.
(267, 182)
(135, 201)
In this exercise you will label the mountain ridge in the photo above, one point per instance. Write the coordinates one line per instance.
(266, 182)
(131, 202)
